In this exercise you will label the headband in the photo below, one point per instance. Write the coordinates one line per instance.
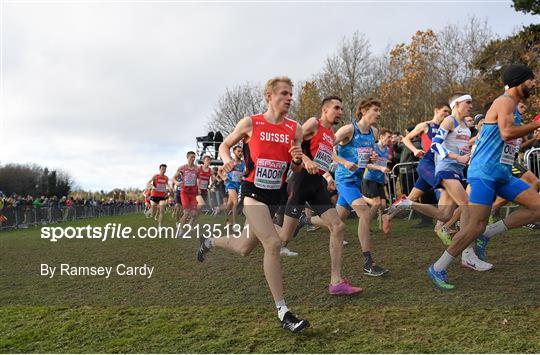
(460, 99)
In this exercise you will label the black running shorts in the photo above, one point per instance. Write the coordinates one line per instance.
(311, 188)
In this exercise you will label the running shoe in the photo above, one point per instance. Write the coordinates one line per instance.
(471, 261)
(286, 252)
(293, 324)
(481, 245)
(444, 236)
(374, 270)
(345, 242)
(204, 248)
(532, 226)
(343, 288)
(440, 279)
(402, 203)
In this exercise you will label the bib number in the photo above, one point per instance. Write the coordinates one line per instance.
(364, 154)
(203, 185)
(509, 153)
(323, 157)
(236, 176)
(269, 173)
(190, 180)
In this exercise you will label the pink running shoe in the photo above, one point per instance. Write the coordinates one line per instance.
(402, 202)
(343, 288)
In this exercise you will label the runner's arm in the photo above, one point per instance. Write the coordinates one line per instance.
(344, 135)
(407, 140)
(242, 130)
(437, 147)
(296, 150)
(505, 120)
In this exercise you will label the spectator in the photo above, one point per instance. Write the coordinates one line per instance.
(218, 139)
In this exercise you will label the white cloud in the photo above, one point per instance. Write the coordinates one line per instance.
(109, 91)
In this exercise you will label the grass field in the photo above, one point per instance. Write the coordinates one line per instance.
(224, 305)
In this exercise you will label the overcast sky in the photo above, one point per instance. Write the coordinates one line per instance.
(108, 91)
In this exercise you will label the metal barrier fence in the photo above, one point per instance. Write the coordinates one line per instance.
(532, 160)
(401, 179)
(26, 216)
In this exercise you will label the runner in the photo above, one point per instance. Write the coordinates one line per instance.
(426, 174)
(189, 175)
(309, 185)
(271, 145)
(490, 174)
(233, 180)
(205, 175)
(176, 187)
(158, 186)
(374, 180)
(355, 146)
(518, 170)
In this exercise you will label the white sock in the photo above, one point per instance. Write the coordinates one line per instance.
(494, 229)
(444, 261)
(209, 243)
(281, 308)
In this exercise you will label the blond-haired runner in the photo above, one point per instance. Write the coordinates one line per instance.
(271, 146)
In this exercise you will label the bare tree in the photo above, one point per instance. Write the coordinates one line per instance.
(459, 46)
(345, 72)
(240, 101)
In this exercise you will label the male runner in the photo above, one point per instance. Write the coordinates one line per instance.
(426, 171)
(374, 180)
(189, 175)
(233, 180)
(490, 174)
(355, 146)
(205, 175)
(271, 145)
(309, 185)
(158, 186)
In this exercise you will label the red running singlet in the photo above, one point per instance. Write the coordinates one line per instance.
(320, 148)
(267, 152)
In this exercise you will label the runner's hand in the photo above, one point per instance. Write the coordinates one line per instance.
(464, 159)
(419, 153)
(384, 169)
(350, 166)
(311, 167)
(296, 153)
(227, 167)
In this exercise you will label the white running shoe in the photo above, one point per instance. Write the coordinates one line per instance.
(345, 242)
(472, 261)
(286, 252)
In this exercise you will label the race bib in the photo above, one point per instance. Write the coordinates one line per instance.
(323, 157)
(382, 162)
(203, 184)
(364, 153)
(509, 151)
(269, 173)
(190, 179)
(161, 187)
(236, 176)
